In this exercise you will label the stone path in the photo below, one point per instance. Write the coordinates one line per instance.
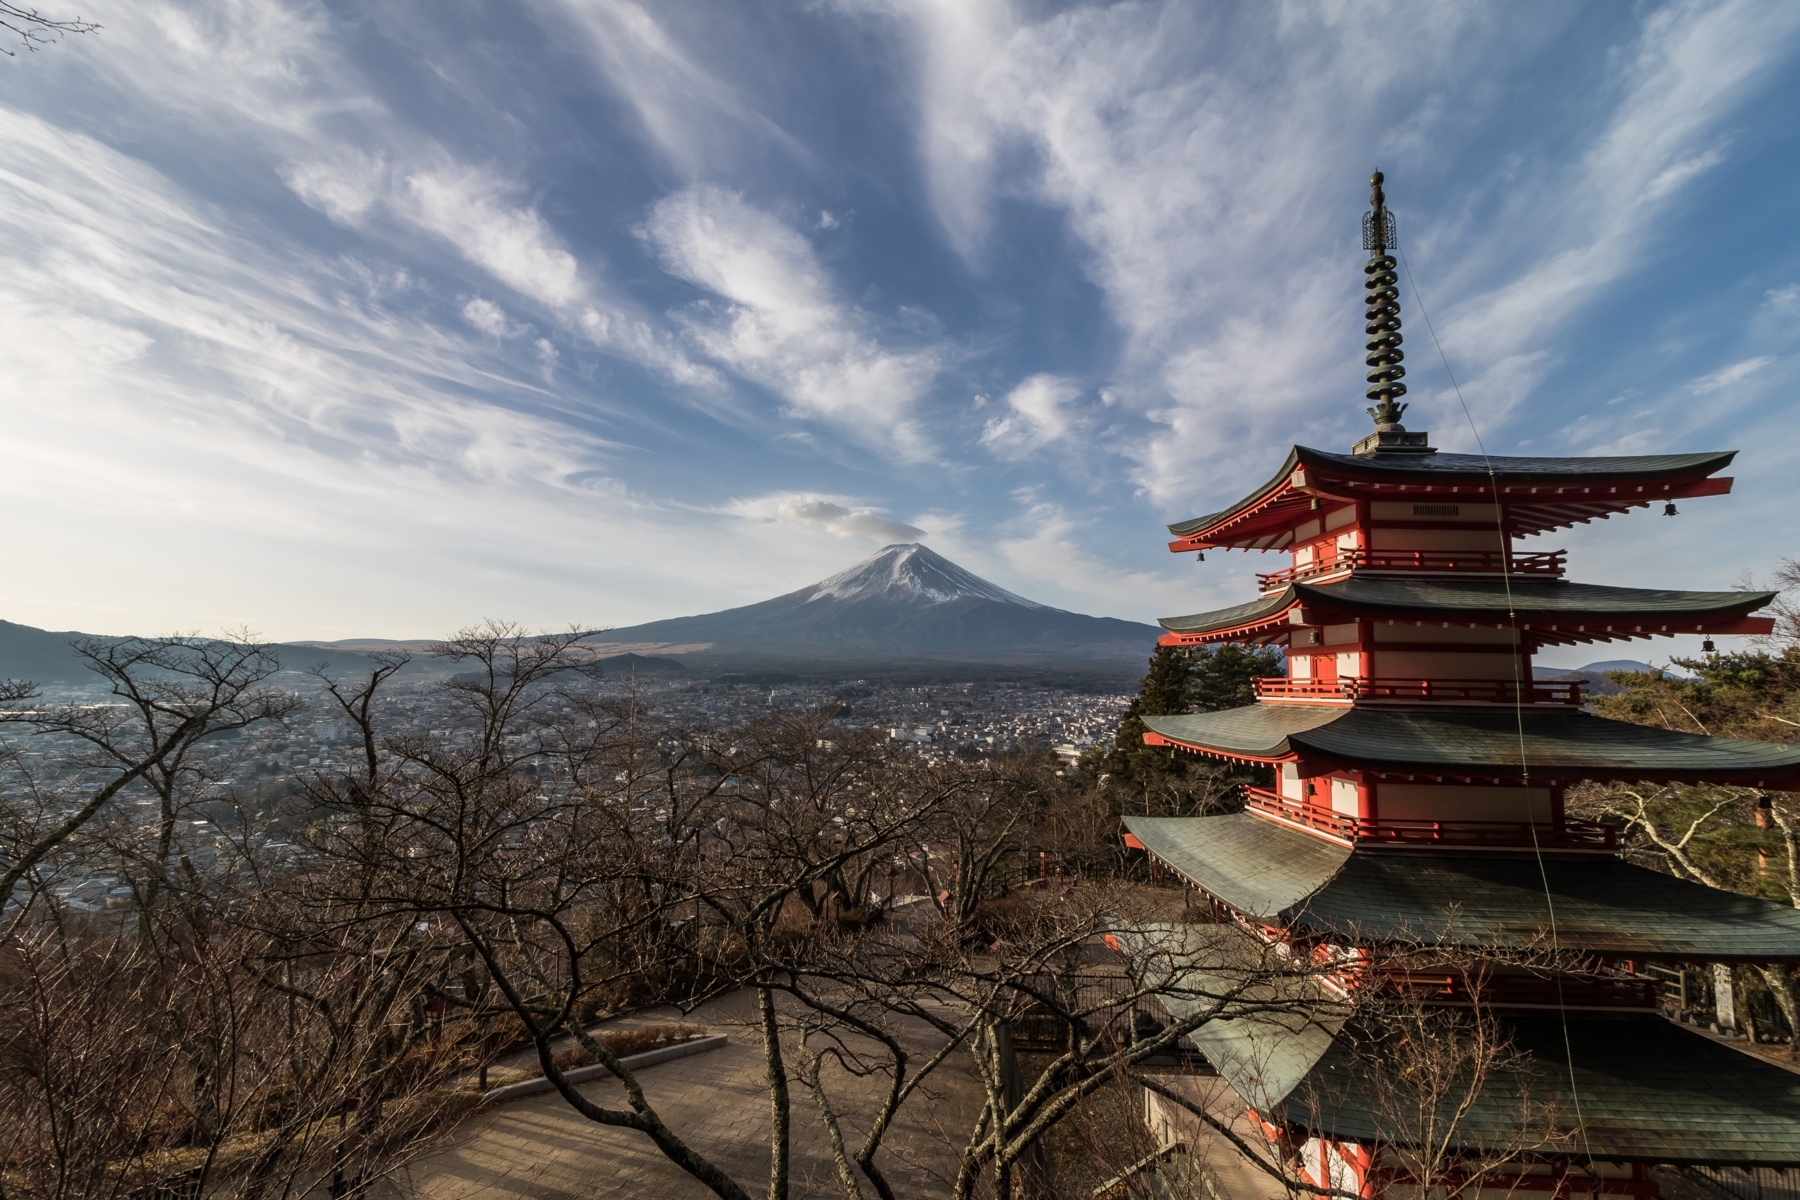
(718, 1102)
(1232, 1177)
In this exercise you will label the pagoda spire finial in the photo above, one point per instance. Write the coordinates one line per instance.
(1382, 315)
(1381, 322)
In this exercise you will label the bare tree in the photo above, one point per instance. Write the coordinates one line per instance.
(34, 29)
(551, 856)
(169, 694)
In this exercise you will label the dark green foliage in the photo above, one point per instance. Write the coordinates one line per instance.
(1180, 680)
(1728, 834)
(1747, 694)
(1221, 677)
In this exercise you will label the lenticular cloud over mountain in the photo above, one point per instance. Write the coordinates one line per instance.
(904, 604)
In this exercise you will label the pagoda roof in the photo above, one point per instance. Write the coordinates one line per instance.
(1441, 741)
(1603, 905)
(1646, 1089)
(1628, 1088)
(1541, 493)
(1550, 611)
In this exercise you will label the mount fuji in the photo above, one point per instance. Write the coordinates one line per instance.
(905, 603)
(903, 611)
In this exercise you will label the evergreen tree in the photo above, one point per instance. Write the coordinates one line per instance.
(1222, 677)
(1164, 690)
(1183, 680)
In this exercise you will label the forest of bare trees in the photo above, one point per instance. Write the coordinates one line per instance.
(310, 1022)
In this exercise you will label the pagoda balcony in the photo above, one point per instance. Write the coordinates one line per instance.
(1560, 692)
(1512, 835)
(1535, 565)
(1525, 991)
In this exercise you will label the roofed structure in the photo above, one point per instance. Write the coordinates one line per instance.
(1418, 798)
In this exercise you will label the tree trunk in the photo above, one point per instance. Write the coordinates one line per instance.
(1724, 997)
(779, 1139)
(1781, 986)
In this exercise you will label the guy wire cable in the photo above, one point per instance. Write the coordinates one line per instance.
(1518, 710)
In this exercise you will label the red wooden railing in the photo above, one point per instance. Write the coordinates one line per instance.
(1493, 562)
(1478, 691)
(1604, 991)
(1570, 835)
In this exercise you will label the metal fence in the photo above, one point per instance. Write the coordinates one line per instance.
(1752, 1183)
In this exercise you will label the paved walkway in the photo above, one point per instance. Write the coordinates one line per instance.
(719, 1103)
(1231, 1177)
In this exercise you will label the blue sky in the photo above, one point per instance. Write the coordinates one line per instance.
(331, 320)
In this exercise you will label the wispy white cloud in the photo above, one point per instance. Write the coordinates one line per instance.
(783, 324)
(204, 415)
(1589, 221)
(686, 108)
(477, 211)
(1044, 551)
(1040, 414)
(847, 522)
(1729, 376)
(1210, 196)
(490, 319)
(831, 514)
(481, 214)
(270, 81)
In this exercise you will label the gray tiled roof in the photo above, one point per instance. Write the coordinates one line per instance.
(1645, 1089)
(1505, 469)
(1483, 599)
(1557, 743)
(1602, 905)
(1517, 469)
(1255, 866)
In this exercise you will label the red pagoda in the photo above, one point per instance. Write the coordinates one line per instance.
(1420, 772)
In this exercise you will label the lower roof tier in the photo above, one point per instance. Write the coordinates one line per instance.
(1610, 1087)
(1601, 905)
(1621, 1089)
(1468, 743)
(1546, 612)
(1633, 1089)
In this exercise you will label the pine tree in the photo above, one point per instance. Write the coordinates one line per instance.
(1222, 677)
(1164, 690)
(1182, 680)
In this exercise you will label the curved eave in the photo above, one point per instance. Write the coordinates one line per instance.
(1282, 877)
(1199, 525)
(1518, 471)
(1634, 613)
(1540, 494)
(1449, 744)
(1648, 1090)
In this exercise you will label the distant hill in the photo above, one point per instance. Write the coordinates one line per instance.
(38, 654)
(905, 603)
(1593, 675)
(43, 656)
(903, 612)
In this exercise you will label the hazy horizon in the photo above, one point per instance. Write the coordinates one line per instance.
(330, 320)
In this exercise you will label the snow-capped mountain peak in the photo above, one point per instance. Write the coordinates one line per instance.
(911, 573)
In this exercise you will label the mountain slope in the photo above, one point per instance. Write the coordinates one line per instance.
(27, 652)
(905, 605)
(43, 656)
(905, 601)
